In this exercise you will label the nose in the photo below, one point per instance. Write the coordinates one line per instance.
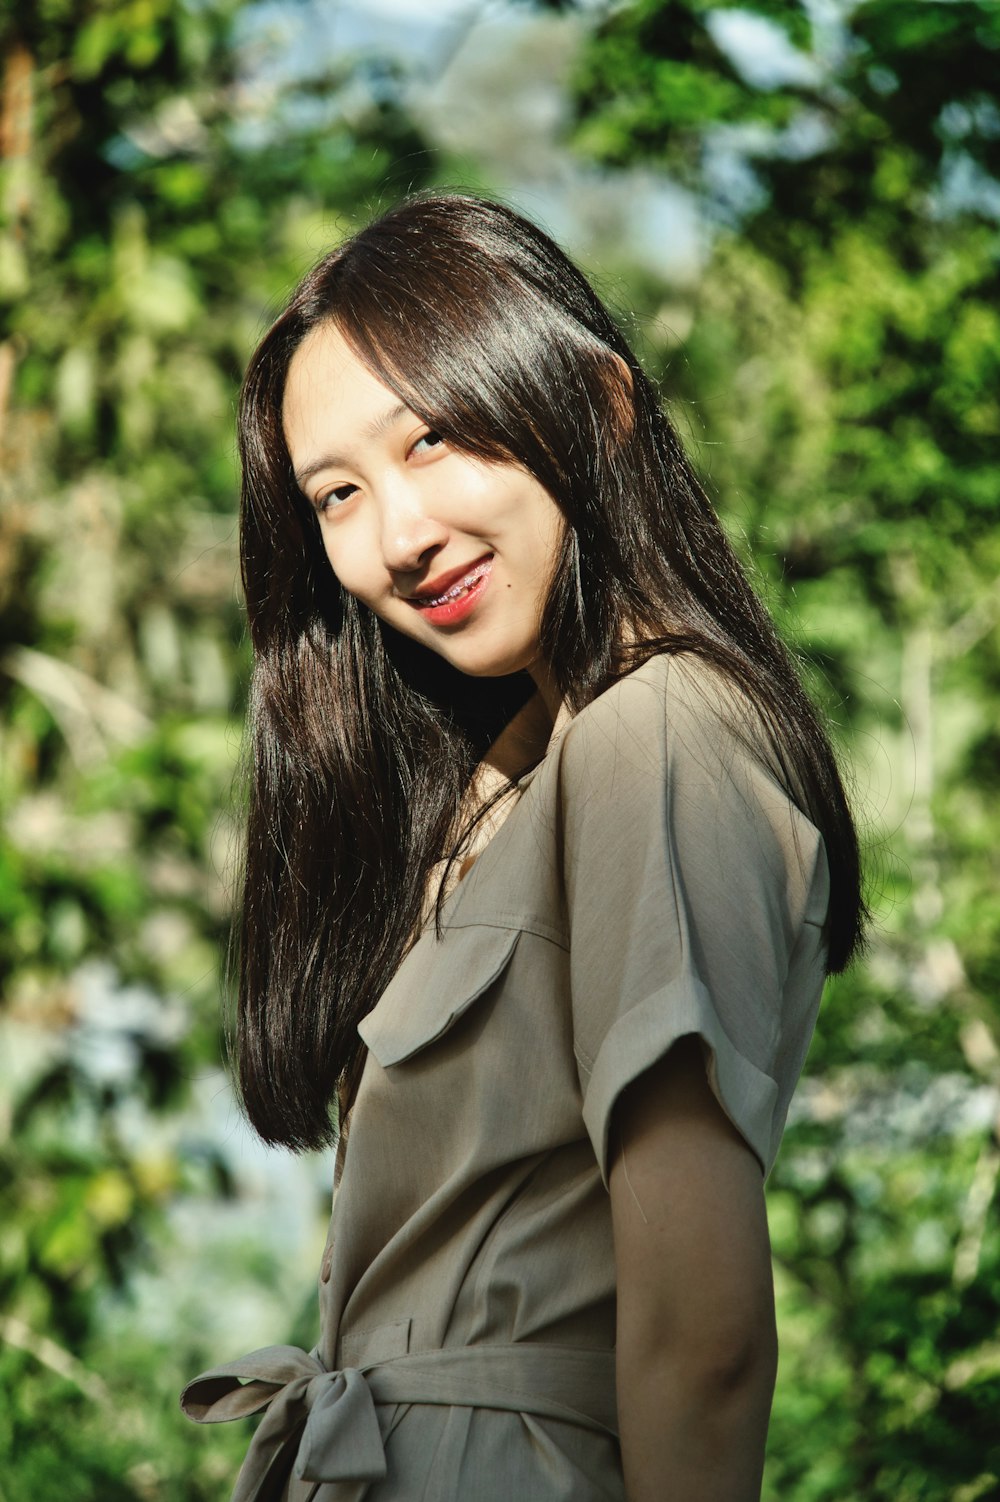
(410, 533)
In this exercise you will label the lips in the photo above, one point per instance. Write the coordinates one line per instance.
(449, 587)
(452, 598)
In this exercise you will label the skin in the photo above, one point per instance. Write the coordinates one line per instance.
(696, 1347)
(696, 1341)
(400, 508)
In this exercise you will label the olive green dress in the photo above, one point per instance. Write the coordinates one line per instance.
(652, 881)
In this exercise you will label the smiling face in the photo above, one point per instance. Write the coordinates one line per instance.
(454, 551)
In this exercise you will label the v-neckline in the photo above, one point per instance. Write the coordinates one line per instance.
(492, 780)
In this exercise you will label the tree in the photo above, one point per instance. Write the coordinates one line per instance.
(841, 382)
(158, 192)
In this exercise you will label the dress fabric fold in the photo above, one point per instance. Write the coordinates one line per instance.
(330, 1417)
(654, 880)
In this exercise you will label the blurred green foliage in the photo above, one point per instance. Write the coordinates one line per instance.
(841, 382)
(835, 369)
(156, 199)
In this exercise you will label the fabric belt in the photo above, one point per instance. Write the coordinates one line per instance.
(334, 1411)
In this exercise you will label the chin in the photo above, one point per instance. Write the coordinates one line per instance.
(490, 664)
(491, 669)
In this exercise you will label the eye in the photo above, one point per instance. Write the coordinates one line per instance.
(426, 442)
(331, 499)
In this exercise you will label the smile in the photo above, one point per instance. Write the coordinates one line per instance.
(459, 599)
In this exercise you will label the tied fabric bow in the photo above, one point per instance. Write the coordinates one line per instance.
(332, 1418)
(334, 1411)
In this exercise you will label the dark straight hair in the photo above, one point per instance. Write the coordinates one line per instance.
(362, 743)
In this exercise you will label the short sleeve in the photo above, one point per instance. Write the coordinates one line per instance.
(696, 895)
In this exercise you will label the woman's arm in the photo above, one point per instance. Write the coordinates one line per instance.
(697, 1348)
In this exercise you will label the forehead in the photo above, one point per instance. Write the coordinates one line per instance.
(329, 389)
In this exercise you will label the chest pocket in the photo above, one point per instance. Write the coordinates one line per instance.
(437, 983)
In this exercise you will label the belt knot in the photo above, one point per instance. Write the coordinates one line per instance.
(332, 1412)
(331, 1416)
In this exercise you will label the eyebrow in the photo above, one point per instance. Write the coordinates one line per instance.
(373, 429)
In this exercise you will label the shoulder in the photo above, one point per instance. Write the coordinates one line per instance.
(673, 709)
(696, 892)
(675, 760)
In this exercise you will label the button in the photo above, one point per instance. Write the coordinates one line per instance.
(327, 1266)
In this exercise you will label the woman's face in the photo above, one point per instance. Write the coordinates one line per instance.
(451, 550)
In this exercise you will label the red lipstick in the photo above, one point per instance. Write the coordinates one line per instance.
(451, 598)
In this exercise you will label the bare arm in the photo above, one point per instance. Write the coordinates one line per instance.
(697, 1349)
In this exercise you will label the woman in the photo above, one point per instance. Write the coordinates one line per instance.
(547, 859)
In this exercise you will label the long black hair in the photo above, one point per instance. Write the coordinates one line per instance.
(361, 743)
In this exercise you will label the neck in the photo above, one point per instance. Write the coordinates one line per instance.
(522, 741)
(548, 690)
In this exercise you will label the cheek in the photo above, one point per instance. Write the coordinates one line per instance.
(551, 529)
(352, 561)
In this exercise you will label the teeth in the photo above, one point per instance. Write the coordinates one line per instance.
(460, 588)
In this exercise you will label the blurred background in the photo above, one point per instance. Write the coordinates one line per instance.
(795, 210)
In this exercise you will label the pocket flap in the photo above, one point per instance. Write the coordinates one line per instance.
(435, 985)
